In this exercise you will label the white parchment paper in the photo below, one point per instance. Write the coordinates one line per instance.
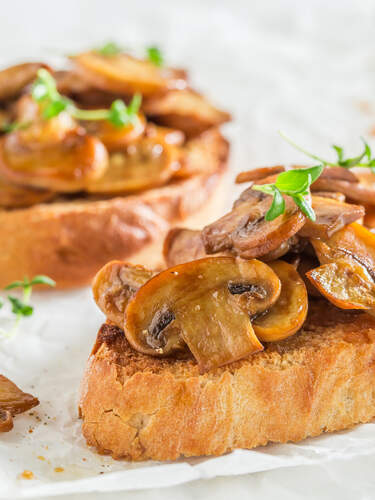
(305, 67)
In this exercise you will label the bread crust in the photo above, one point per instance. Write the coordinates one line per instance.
(320, 380)
(69, 241)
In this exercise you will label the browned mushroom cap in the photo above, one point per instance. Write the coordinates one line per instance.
(345, 283)
(205, 304)
(339, 173)
(185, 110)
(258, 174)
(12, 196)
(124, 74)
(115, 138)
(202, 154)
(369, 220)
(148, 163)
(183, 245)
(12, 402)
(356, 191)
(288, 313)
(115, 284)
(15, 78)
(245, 232)
(352, 242)
(328, 194)
(331, 215)
(65, 166)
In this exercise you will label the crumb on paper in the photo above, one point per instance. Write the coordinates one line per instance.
(59, 469)
(40, 457)
(27, 474)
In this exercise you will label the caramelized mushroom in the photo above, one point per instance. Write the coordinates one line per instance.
(331, 215)
(66, 166)
(356, 191)
(123, 74)
(12, 196)
(148, 163)
(12, 402)
(330, 194)
(15, 78)
(258, 174)
(183, 245)
(245, 232)
(206, 304)
(185, 110)
(115, 138)
(288, 313)
(115, 284)
(346, 283)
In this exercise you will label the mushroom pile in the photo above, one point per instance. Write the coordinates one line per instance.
(245, 280)
(48, 152)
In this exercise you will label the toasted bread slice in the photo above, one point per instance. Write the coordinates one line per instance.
(322, 379)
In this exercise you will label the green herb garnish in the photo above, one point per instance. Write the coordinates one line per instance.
(294, 183)
(155, 56)
(356, 161)
(44, 92)
(21, 307)
(11, 127)
(109, 49)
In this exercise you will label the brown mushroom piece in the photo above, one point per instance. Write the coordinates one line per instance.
(124, 74)
(15, 78)
(183, 245)
(114, 137)
(331, 215)
(13, 196)
(185, 110)
(245, 232)
(148, 163)
(346, 283)
(12, 402)
(356, 190)
(258, 174)
(115, 284)
(331, 194)
(288, 313)
(205, 304)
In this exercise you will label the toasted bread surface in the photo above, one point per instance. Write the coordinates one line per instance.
(322, 379)
(71, 240)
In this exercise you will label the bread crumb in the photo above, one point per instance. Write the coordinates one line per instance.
(27, 474)
(59, 469)
(40, 457)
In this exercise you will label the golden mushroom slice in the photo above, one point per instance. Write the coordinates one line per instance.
(12, 402)
(205, 304)
(66, 167)
(183, 245)
(245, 232)
(13, 196)
(115, 138)
(148, 163)
(124, 74)
(346, 283)
(15, 78)
(258, 174)
(331, 215)
(288, 313)
(115, 284)
(185, 110)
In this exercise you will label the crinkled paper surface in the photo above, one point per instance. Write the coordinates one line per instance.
(305, 67)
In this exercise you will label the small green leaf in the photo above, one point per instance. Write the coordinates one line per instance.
(1, 303)
(19, 307)
(340, 152)
(134, 104)
(109, 49)
(277, 207)
(314, 172)
(305, 206)
(264, 188)
(155, 56)
(55, 108)
(16, 284)
(40, 279)
(118, 115)
(293, 181)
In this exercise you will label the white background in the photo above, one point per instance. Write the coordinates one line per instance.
(307, 67)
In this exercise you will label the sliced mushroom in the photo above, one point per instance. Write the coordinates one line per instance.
(331, 215)
(345, 283)
(330, 194)
(245, 232)
(115, 284)
(12, 402)
(369, 220)
(205, 304)
(290, 245)
(148, 163)
(356, 191)
(15, 78)
(183, 245)
(12, 196)
(352, 242)
(65, 166)
(202, 154)
(185, 110)
(258, 174)
(288, 313)
(124, 74)
(115, 138)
